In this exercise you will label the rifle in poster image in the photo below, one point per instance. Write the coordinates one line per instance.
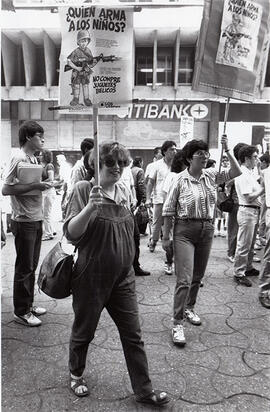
(81, 61)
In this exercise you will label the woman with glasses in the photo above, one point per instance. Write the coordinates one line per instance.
(100, 224)
(191, 201)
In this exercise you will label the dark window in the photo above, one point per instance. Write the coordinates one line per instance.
(164, 66)
(186, 64)
(267, 74)
(56, 77)
(144, 66)
(40, 77)
(3, 81)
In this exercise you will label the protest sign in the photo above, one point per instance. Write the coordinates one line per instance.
(232, 37)
(96, 58)
(186, 130)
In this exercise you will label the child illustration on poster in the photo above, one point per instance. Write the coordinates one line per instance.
(239, 34)
(96, 57)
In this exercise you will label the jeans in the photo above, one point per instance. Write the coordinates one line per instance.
(157, 222)
(27, 243)
(248, 219)
(121, 304)
(265, 270)
(192, 244)
(232, 229)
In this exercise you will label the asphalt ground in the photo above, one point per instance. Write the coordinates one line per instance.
(225, 365)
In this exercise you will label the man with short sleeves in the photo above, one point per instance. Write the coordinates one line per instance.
(26, 224)
(264, 294)
(155, 184)
(248, 191)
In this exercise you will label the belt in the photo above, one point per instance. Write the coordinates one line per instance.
(251, 206)
(194, 219)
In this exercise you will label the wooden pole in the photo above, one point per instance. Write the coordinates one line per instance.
(224, 127)
(96, 146)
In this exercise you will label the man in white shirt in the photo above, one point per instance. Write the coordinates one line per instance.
(264, 294)
(149, 167)
(79, 172)
(248, 191)
(155, 184)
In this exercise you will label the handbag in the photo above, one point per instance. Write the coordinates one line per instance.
(141, 214)
(55, 272)
(225, 203)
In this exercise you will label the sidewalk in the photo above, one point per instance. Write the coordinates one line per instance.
(224, 367)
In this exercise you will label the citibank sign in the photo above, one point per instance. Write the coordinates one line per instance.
(170, 111)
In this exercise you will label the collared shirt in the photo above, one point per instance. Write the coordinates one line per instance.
(78, 172)
(25, 207)
(158, 174)
(266, 180)
(191, 198)
(246, 184)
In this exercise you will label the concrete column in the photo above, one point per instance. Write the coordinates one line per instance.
(155, 61)
(9, 55)
(176, 58)
(50, 60)
(29, 59)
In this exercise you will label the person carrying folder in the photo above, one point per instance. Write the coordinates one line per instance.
(26, 222)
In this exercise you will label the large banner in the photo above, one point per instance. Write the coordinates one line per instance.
(96, 58)
(231, 41)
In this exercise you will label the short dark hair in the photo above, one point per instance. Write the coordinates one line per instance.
(178, 163)
(210, 163)
(156, 150)
(87, 144)
(246, 151)
(137, 161)
(28, 129)
(265, 158)
(166, 145)
(191, 147)
(47, 156)
(237, 148)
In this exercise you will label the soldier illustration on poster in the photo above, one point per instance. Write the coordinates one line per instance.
(81, 61)
(95, 58)
(239, 34)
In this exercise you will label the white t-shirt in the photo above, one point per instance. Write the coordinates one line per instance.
(158, 174)
(246, 184)
(266, 177)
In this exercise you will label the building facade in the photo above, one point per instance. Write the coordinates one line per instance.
(163, 60)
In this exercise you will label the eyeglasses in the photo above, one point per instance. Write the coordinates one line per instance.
(111, 162)
(202, 153)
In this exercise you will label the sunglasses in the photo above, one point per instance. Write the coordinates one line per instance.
(202, 153)
(111, 162)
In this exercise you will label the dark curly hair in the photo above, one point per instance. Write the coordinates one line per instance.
(246, 151)
(191, 147)
(166, 145)
(178, 164)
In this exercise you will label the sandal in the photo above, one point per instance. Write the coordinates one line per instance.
(156, 398)
(75, 384)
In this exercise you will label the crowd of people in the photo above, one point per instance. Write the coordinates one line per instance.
(175, 199)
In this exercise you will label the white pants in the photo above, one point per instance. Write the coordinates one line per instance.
(48, 200)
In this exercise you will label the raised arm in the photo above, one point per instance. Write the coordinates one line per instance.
(234, 170)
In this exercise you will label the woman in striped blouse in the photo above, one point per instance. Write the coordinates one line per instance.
(191, 200)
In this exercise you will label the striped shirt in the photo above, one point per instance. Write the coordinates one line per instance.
(191, 198)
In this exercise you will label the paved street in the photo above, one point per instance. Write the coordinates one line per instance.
(225, 365)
